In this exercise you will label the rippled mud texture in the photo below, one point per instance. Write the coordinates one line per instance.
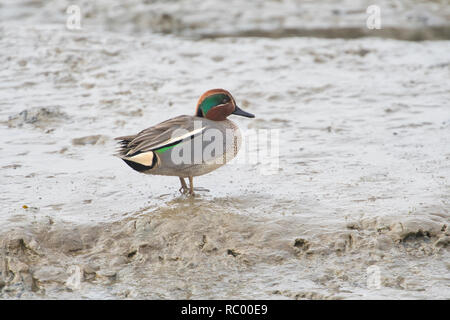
(363, 178)
(194, 249)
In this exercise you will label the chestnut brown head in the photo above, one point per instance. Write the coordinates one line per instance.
(217, 105)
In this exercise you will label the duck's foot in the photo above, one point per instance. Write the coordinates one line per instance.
(184, 188)
(190, 190)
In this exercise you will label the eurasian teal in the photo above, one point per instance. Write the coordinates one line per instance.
(187, 146)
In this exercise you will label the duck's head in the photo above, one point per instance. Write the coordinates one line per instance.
(217, 105)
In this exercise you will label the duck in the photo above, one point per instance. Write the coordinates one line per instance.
(187, 146)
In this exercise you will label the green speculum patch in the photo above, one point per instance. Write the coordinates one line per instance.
(164, 149)
(167, 147)
(213, 101)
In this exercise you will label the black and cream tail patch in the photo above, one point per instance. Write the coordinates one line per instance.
(142, 161)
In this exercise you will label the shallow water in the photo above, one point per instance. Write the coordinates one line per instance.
(363, 180)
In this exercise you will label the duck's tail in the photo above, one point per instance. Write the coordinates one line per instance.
(139, 161)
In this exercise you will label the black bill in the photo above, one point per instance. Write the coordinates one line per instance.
(239, 112)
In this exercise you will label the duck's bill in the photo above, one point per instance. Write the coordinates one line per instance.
(239, 112)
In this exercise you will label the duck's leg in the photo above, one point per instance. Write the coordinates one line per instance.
(191, 186)
(184, 188)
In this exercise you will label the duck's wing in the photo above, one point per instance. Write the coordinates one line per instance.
(162, 135)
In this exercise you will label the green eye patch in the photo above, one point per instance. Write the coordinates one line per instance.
(212, 101)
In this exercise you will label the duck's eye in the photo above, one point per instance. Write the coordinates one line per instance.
(225, 100)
